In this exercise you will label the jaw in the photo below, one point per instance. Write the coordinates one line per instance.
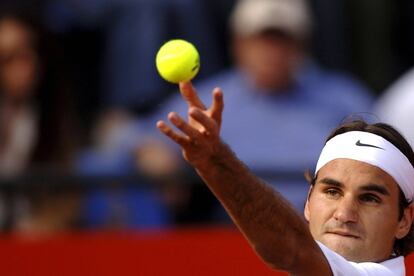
(351, 248)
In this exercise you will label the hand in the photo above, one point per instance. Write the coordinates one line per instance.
(200, 137)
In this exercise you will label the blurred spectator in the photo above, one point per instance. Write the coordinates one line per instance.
(276, 92)
(37, 122)
(36, 110)
(113, 153)
(396, 106)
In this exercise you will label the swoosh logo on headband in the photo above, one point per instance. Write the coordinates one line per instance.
(359, 144)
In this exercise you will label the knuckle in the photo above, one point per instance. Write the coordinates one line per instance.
(179, 123)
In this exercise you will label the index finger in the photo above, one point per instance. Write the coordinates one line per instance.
(190, 95)
(218, 105)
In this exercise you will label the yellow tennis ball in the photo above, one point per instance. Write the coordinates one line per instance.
(177, 60)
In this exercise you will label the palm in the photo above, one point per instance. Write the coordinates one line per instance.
(200, 135)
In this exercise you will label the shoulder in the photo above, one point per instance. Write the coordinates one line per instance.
(228, 80)
(340, 266)
(337, 88)
(340, 80)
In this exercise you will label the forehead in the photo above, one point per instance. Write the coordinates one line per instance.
(353, 174)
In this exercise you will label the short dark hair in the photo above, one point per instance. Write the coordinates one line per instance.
(403, 246)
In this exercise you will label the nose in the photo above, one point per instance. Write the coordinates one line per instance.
(346, 210)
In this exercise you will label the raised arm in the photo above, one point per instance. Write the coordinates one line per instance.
(278, 234)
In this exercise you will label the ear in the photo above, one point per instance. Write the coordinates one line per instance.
(306, 211)
(404, 225)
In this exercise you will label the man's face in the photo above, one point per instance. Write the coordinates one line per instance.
(269, 61)
(18, 60)
(353, 210)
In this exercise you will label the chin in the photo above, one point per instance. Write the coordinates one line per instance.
(349, 248)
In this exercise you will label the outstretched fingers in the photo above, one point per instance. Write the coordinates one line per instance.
(182, 125)
(179, 139)
(202, 124)
(209, 125)
(190, 95)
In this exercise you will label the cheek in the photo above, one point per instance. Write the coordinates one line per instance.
(377, 228)
(375, 224)
(317, 212)
(20, 75)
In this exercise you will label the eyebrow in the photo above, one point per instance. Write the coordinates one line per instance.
(331, 182)
(376, 188)
(370, 187)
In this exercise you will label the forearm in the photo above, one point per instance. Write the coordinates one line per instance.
(271, 225)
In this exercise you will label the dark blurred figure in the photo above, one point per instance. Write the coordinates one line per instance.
(37, 125)
(371, 39)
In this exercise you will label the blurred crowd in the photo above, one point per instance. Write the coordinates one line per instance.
(80, 96)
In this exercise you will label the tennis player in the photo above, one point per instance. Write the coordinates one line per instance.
(359, 214)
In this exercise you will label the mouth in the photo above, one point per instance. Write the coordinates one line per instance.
(343, 234)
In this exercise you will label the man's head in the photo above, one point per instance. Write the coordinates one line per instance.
(359, 204)
(269, 39)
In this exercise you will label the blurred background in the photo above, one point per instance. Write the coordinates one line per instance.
(80, 96)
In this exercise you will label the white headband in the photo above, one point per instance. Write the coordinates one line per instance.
(372, 149)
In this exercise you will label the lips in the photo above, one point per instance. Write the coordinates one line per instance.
(343, 233)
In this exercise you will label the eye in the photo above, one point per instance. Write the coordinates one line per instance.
(332, 193)
(370, 198)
